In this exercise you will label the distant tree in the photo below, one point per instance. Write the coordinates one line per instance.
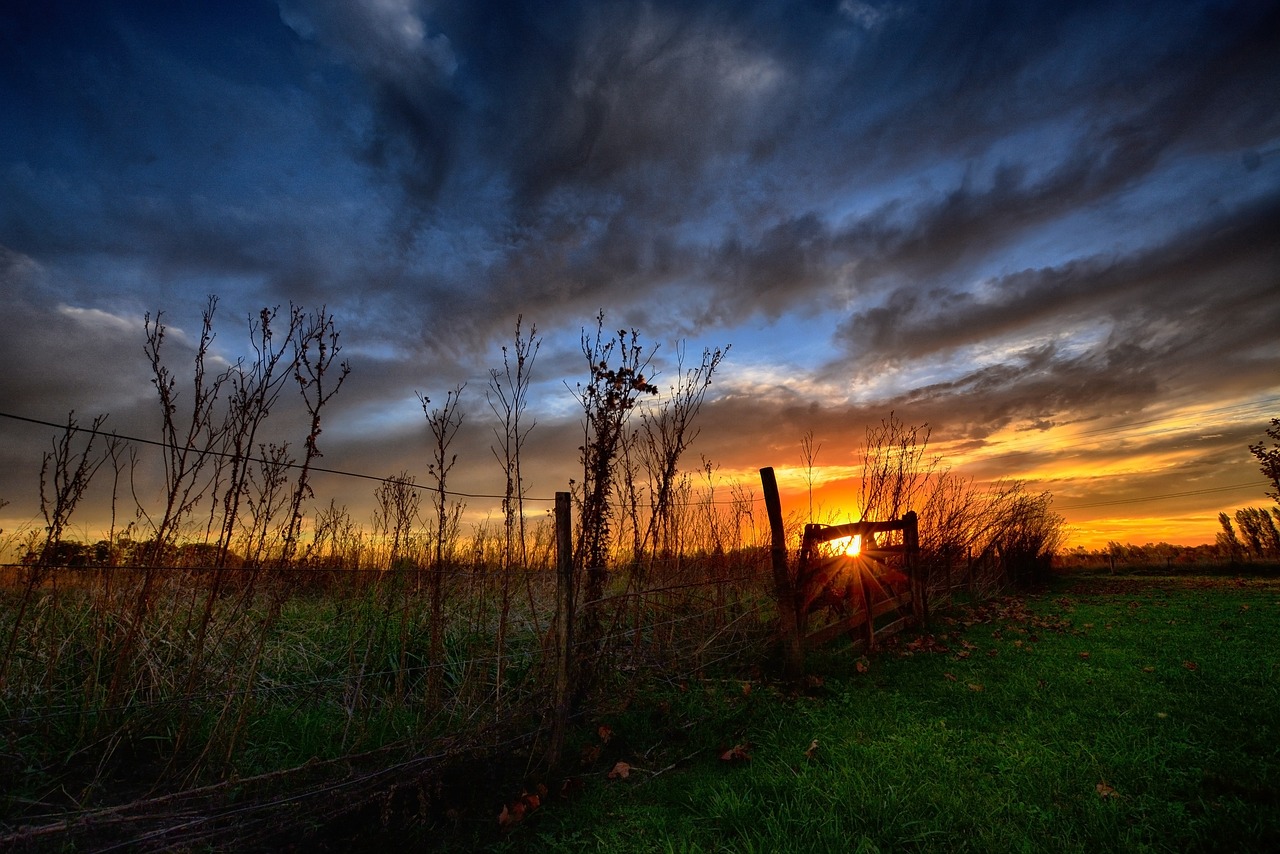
(1228, 544)
(1259, 531)
(1269, 458)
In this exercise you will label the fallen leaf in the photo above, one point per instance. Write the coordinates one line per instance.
(862, 665)
(1190, 665)
(746, 689)
(1105, 791)
(511, 815)
(620, 771)
(1148, 669)
(974, 686)
(590, 754)
(1084, 655)
(737, 753)
(813, 748)
(950, 677)
(605, 734)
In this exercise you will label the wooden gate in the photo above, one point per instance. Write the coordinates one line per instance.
(852, 575)
(849, 592)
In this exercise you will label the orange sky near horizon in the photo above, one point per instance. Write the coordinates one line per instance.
(1159, 479)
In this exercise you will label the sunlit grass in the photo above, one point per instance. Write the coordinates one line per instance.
(1101, 717)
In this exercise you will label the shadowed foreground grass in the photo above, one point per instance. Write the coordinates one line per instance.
(1103, 714)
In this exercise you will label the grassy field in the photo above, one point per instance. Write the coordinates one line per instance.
(1129, 713)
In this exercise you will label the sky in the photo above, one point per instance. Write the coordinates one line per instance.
(1050, 231)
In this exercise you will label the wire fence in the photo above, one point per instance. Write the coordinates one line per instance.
(713, 614)
(380, 479)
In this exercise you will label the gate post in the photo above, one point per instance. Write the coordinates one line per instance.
(783, 589)
(563, 697)
(917, 571)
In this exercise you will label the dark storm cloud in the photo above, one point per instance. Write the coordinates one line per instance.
(1225, 268)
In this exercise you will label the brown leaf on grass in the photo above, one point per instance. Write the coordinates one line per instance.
(1105, 791)
(926, 643)
(813, 749)
(812, 680)
(1190, 665)
(960, 656)
(1084, 655)
(746, 689)
(975, 686)
(605, 734)
(515, 812)
(590, 754)
(737, 753)
(862, 665)
(509, 817)
(950, 677)
(1148, 669)
(620, 771)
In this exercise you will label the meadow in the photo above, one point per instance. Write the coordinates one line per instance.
(1137, 713)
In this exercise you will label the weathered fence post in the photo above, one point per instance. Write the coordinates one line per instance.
(916, 569)
(563, 698)
(783, 589)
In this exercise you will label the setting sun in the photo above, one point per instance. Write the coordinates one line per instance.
(850, 546)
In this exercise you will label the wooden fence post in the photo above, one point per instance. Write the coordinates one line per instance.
(563, 698)
(783, 589)
(917, 570)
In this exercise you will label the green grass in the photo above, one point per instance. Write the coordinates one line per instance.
(1135, 715)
